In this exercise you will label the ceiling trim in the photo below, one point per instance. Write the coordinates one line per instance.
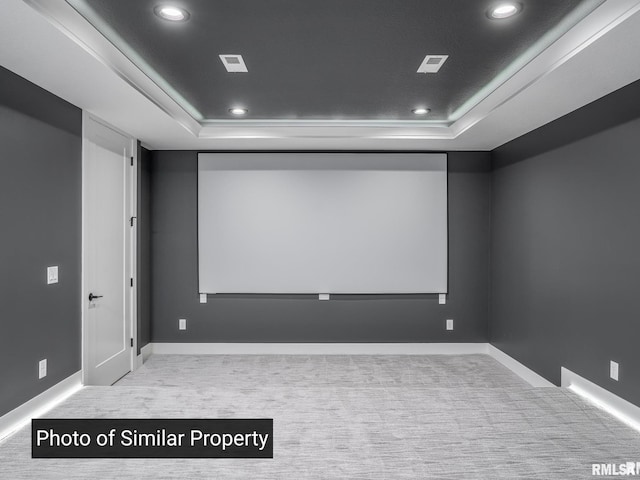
(326, 131)
(66, 19)
(580, 36)
(602, 20)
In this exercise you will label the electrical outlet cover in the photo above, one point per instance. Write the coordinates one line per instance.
(614, 370)
(52, 275)
(42, 368)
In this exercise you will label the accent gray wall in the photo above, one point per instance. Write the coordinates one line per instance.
(302, 318)
(565, 261)
(40, 208)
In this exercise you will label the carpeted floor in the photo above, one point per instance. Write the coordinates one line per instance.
(350, 417)
(304, 371)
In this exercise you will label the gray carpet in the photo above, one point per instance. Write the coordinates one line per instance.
(358, 417)
(323, 371)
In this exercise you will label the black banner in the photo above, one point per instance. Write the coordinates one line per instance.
(152, 438)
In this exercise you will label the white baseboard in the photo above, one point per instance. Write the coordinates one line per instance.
(519, 369)
(618, 407)
(145, 353)
(318, 348)
(37, 406)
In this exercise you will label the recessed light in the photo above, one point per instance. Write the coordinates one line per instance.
(170, 12)
(504, 10)
(420, 111)
(238, 111)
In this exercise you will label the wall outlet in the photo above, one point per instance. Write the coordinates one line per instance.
(52, 275)
(42, 368)
(449, 324)
(442, 298)
(613, 370)
(182, 324)
(324, 296)
(203, 298)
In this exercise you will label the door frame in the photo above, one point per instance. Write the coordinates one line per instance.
(130, 255)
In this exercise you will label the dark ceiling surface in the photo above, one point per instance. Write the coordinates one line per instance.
(329, 59)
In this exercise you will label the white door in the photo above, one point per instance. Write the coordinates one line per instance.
(107, 241)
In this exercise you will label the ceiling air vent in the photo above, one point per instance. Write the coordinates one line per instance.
(432, 63)
(233, 63)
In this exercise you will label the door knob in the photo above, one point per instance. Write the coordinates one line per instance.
(92, 297)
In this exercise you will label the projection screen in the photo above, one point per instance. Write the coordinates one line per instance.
(361, 223)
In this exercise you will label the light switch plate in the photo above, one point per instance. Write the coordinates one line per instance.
(182, 324)
(52, 275)
(442, 298)
(203, 298)
(449, 324)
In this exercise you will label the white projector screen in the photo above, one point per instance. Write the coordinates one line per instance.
(369, 223)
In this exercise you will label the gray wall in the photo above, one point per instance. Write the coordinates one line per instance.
(40, 202)
(300, 318)
(565, 256)
(144, 247)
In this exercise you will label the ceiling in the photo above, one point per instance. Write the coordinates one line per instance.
(324, 74)
(329, 59)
